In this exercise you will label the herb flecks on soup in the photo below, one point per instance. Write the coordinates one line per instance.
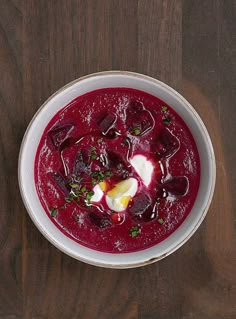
(117, 170)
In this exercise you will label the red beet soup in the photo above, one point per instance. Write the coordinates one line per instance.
(117, 170)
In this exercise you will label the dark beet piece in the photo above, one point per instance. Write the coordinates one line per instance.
(134, 109)
(146, 121)
(167, 144)
(61, 183)
(81, 164)
(148, 216)
(59, 134)
(140, 204)
(177, 186)
(99, 221)
(112, 133)
(117, 165)
(107, 122)
(141, 208)
(138, 119)
(67, 143)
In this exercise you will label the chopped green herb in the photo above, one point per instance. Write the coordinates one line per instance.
(134, 231)
(94, 181)
(89, 195)
(166, 120)
(93, 148)
(136, 131)
(164, 109)
(100, 140)
(72, 194)
(78, 179)
(68, 199)
(63, 207)
(94, 174)
(108, 173)
(73, 185)
(83, 189)
(93, 155)
(160, 221)
(100, 176)
(125, 142)
(53, 211)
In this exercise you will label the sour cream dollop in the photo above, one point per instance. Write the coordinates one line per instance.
(143, 167)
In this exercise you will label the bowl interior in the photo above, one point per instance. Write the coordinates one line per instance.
(63, 97)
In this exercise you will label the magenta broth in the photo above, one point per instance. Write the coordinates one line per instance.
(91, 142)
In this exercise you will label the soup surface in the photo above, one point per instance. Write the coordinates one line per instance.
(117, 170)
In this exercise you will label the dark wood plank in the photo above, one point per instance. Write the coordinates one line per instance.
(209, 84)
(11, 131)
(160, 40)
(64, 40)
(160, 56)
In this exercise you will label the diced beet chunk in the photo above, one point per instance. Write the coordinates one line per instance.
(140, 204)
(61, 183)
(112, 133)
(134, 109)
(99, 221)
(148, 216)
(146, 121)
(107, 122)
(67, 143)
(141, 209)
(81, 164)
(117, 165)
(58, 135)
(177, 186)
(167, 144)
(138, 119)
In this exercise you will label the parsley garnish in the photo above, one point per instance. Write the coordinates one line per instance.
(83, 189)
(100, 140)
(164, 109)
(166, 120)
(160, 221)
(108, 173)
(53, 211)
(89, 195)
(134, 231)
(94, 181)
(93, 155)
(125, 142)
(73, 185)
(101, 176)
(94, 174)
(135, 131)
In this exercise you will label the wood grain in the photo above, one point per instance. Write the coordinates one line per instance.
(190, 45)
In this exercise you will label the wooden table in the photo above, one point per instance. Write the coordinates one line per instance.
(190, 45)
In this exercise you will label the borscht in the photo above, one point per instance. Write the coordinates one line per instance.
(117, 170)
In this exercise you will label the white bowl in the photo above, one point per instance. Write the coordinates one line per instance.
(63, 97)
